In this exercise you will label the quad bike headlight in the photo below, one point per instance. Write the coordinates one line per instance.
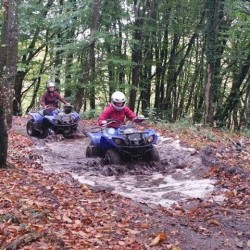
(118, 141)
(150, 139)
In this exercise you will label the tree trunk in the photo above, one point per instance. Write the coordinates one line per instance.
(26, 59)
(88, 71)
(234, 97)
(171, 79)
(248, 111)
(9, 44)
(3, 56)
(136, 55)
(208, 96)
(3, 135)
(11, 63)
(214, 49)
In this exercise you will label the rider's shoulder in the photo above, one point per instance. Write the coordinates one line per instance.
(127, 109)
(108, 107)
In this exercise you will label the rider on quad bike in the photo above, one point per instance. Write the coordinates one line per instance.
(49, 100)
(117, 111)
(115, 141)
(52, 120)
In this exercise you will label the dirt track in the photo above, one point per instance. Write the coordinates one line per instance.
(207, 220)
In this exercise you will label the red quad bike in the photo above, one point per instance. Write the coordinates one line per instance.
(129, 142)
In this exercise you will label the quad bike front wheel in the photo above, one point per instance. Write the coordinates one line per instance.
(153, 154)
(112, 157)
(67, 134)
(50, 131)
(30, 128)
(91, 151)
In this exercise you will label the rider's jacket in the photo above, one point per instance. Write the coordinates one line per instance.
(51, 99)
(111, 113)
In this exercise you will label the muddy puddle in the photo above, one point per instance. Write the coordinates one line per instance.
(178, 177)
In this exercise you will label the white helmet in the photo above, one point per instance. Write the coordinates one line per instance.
(118, 98)
(50, 84)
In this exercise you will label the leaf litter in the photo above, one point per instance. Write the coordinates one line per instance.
(52, 210)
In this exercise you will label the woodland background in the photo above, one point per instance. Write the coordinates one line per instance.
(176, 61)
(173, 59)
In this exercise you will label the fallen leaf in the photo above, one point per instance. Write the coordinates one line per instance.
(213, 170)
(214, 222)
(175, 248)
(248, 243)
(8, 199)
(67, 219)
(203, 229)
(84, 188)
(121, 243)
(160, 237)
(239, 243)
(132, 231)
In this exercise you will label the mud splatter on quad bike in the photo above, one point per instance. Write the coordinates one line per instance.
(128, 142)
(61, 121)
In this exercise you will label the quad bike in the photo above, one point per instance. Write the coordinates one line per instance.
(129, 142)
(60, 121)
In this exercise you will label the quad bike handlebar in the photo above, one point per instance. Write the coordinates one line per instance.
(130, 124)
(136, 119)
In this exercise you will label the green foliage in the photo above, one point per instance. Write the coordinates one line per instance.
(1, 15)
(92, 113)
(21, 67)
(182, 124)
(246, 132)
(151, 113)
(159, 35)
(208, 134)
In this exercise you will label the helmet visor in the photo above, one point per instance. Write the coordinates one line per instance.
(119, 104)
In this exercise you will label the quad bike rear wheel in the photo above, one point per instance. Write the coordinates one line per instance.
(112, 157)
(30, 129)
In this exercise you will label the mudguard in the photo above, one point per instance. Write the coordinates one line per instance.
(37, 116)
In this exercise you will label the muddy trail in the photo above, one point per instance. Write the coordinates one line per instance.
(184, 193)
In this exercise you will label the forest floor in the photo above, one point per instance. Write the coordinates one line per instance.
(42, 209)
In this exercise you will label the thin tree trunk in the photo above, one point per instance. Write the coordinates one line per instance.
(3, 136)
(11, 62)
(32, 51)
(3, 56)
(208, 96)
(171, 80)
(88, 71)
(214, 50)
